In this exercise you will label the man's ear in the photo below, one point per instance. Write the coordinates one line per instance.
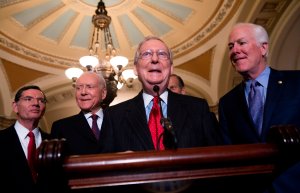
(183, 91)
(134, 70)
(15, 107)
(104, 93)
(264, 49)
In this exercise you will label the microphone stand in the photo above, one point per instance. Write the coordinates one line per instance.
(169, 137)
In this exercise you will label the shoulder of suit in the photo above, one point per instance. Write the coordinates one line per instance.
(124, 104)
(66, 119)
(180, 97)
(234, 92)
(293, 75)
(7, 130)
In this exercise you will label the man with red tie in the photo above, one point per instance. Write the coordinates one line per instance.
(126, 126)
(18, 142)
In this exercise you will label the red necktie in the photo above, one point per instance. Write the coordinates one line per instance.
(31, 153)
(95, 127)
(155, 127)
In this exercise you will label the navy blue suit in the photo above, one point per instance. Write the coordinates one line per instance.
(287, 182)
(15, 174)
(125, 125)
(78, 134)
(282, 106)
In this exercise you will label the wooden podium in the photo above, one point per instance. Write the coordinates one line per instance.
(217, 168)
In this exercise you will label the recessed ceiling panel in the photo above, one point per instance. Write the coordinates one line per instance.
(56, 29)
(132, 32)
(155, 25)
(82, 35)
(174, 10)
(33, 14)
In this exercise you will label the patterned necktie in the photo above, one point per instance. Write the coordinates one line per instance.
(31, 154)
(95, 127)
(155, 126)
(256, 105)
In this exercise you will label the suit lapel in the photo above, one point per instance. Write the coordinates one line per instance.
(136, 116)
(243, 108)
(275, 86)
(17, 144)
(18, 154)
(176, 112)
(82, 127)
(241, 99)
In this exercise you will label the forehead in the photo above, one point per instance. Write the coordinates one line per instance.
(173, 79)
(242, 32)
(87, 79)
(32, 92)
(153, 44)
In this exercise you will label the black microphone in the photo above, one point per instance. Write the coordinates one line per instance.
(156, 89)
(169, 137)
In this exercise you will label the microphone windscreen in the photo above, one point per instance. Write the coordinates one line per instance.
(155, 88)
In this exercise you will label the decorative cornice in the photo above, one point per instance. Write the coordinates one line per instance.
(60, 97)
(33, 55)
(212, 26)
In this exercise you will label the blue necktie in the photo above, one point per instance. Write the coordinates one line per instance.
(256, 105)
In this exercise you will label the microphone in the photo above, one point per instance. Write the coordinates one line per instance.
(156, 89)
(169, 137)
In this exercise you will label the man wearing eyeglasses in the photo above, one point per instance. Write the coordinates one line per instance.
(18, 168)
(125, 126)
(82, 131)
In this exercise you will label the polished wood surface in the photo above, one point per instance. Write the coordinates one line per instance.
(181, 164)
(127, 168)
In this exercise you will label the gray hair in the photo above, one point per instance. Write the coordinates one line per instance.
(100, 76)
(259, 32)
(101, 80)
(137, 53)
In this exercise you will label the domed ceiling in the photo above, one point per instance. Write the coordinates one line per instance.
(40, 39)
(56, 33)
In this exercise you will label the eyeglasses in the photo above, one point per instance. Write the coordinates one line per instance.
(30, 99)
(161, 54)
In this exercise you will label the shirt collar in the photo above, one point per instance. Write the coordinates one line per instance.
(99, 113)
(148, 98)
(23, 131)
(263, 78)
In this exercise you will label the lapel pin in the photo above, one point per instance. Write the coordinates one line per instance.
(280, 82)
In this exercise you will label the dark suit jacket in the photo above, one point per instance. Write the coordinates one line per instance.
(15, 174)
(287, 182)
(78, 134)
(125, 125)
(282, 106)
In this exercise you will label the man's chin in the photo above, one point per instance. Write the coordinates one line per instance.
(85, 109)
